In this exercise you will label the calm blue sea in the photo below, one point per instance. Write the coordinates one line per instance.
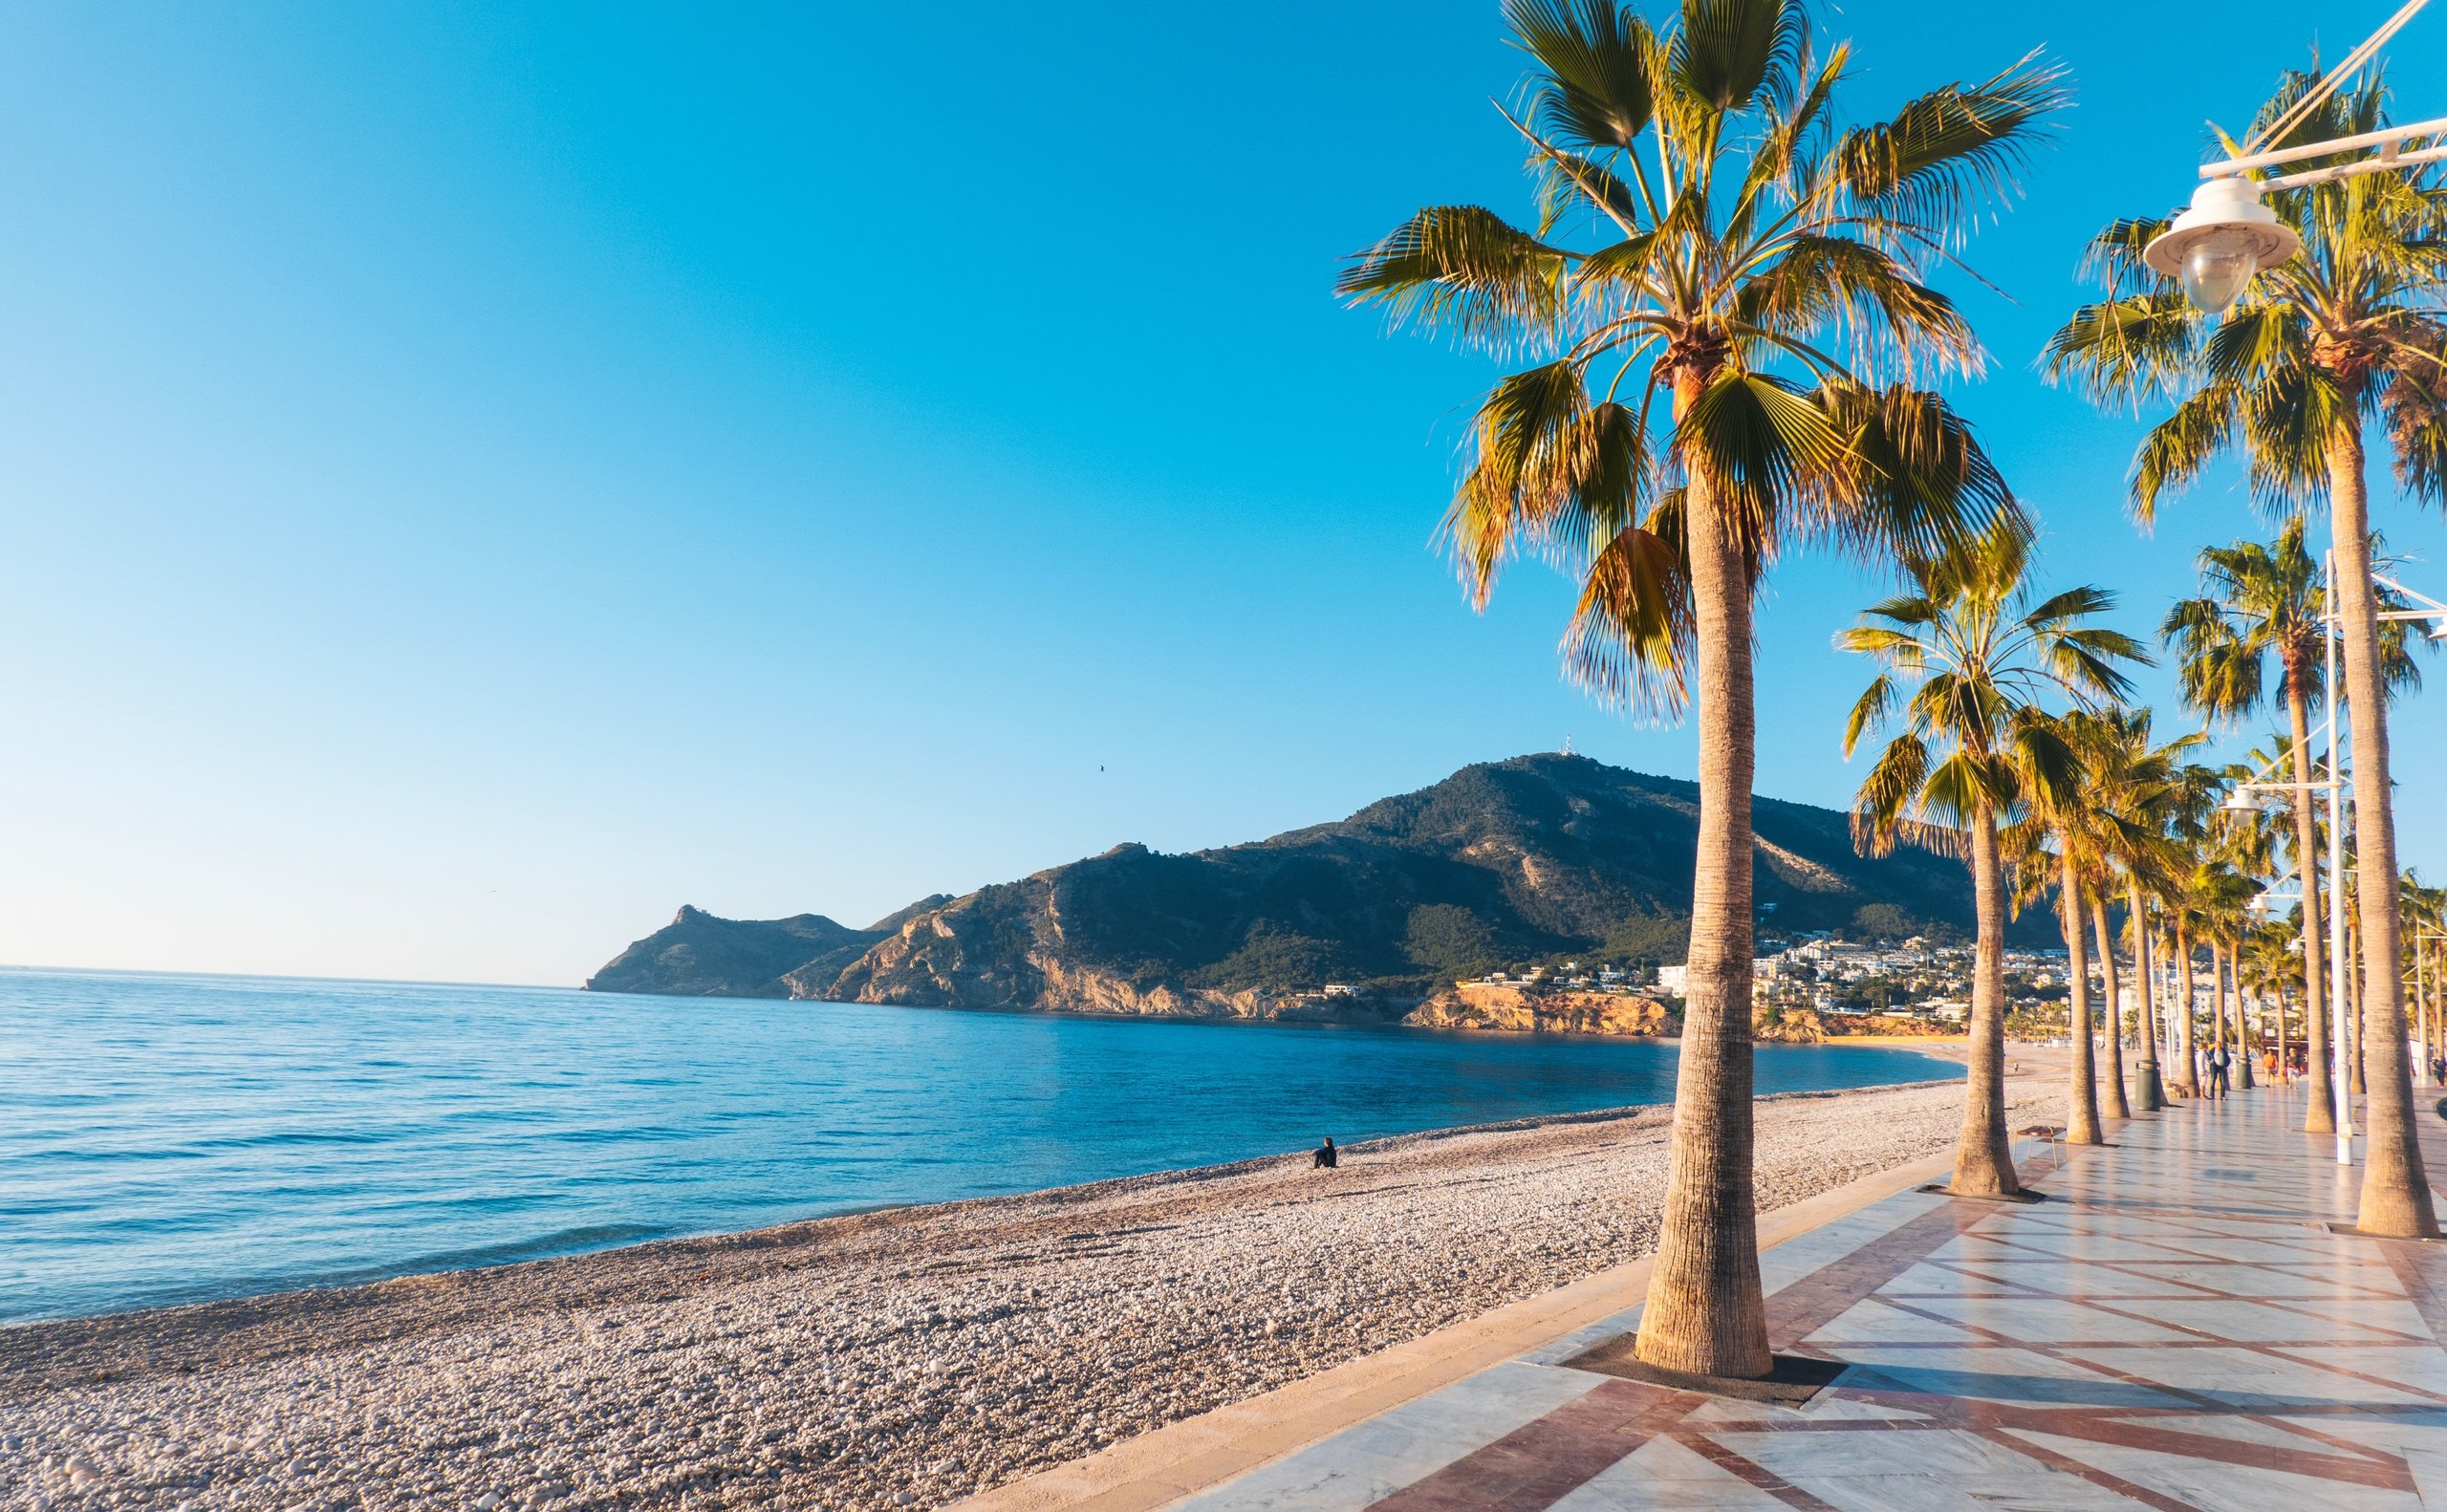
(172, 1138)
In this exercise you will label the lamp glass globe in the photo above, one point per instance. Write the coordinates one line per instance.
(2215, 269)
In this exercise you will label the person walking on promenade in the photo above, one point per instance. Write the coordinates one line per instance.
(1327, 1157)
(2220, 1059)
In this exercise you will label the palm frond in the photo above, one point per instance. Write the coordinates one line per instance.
(1595, 87)
(1629, 641)
(1887, 794)
(1951, 144)
(2125, 351)
(1759, 442)
(1461, 269)
(1727, 51)
(2180, 447)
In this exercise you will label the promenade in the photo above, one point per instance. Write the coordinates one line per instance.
(2175, 1328)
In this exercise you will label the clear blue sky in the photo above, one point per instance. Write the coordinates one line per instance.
(477, 478)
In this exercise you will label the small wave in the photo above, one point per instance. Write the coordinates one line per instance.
(286, 1137)
(543, 1247)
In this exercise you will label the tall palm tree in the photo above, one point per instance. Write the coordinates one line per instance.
(2271, 968)
(2262, 604)
(2188, 820)
(2082, 836)
(2348, 334)
(2242, 852)
(2136, 783)
(1964, 664)
(2220, 899)
(2425, 924)
(1725, 293)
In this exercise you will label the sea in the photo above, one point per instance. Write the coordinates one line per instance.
(170, 1139)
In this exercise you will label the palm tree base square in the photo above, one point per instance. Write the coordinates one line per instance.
(2025, 1197)
(1794, 1378)
(2352, 1232)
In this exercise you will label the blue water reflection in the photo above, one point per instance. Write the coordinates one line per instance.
(168, 1139)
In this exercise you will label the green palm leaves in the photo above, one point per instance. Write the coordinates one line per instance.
(2350, 331)
(1724, 329)
(2257, 602)
(1966, 665)
(1722, 285)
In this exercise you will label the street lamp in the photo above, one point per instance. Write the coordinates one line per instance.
(2227, 235)
(2217, 245)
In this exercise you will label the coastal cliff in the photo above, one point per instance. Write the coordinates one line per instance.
(1364, 919)
(1808, 1027)
(1487, 1005)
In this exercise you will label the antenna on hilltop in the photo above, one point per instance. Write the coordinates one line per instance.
(1566, 745)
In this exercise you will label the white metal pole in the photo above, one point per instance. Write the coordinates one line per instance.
(2341, 1084)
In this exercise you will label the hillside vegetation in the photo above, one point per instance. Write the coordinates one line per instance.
(1501, 863)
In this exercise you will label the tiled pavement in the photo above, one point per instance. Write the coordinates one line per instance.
(2177, 1327)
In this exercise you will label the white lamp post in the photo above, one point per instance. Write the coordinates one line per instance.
(2227, 235)
(2217, 245)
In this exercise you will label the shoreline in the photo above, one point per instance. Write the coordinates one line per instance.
(250, 1303)
(905, 1356)
(340, 1295)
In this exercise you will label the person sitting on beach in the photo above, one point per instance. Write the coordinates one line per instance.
(1326, 1155)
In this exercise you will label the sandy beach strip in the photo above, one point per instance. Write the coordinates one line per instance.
(893, 1359)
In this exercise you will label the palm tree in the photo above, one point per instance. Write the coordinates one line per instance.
(2136, 783)
(2271, 968)
(1975, 747)
(2349, 332)
(2264, 603)
(2242, 852)
(2221, 900)
(1719, 283)
(2425, 924)
(2192, 803)
(2073, 824)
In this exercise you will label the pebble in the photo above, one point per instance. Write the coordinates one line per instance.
(898, 1359)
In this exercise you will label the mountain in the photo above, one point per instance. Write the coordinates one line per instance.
(699, 955)
(1499, 863)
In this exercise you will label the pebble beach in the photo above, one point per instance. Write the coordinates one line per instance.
(901, 1358)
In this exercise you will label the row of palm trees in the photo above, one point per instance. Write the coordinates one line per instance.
(1726, 347)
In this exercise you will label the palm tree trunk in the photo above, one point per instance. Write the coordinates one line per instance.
(2284, 1063)
(2396, 1191)
(2417, 1012)
(2081, 1111)
(2185, 1047)
(1983, 1162)
(2112, 993)
(2356, 1023)
(2424, 1006)
(1705, 1313)
(2230, 988)
(2321, 1117)
(2149, 1096)
(2217, 1009)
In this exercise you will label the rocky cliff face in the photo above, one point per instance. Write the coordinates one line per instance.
(1809, 1027)
(699, 955)
(1499, 863)
(1484, 1006)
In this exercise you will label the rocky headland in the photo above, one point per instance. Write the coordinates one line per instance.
(1500, 864)
(1489, 1005)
